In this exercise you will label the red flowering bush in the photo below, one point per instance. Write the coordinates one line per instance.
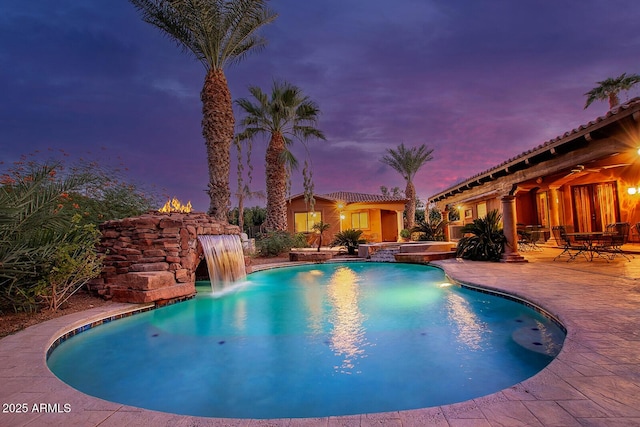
(48, 228)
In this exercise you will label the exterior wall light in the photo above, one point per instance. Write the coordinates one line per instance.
(633, 191)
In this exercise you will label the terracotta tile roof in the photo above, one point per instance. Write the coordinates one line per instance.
(348, 197)
(351, 197)
(567, 136)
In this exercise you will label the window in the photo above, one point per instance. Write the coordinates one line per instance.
(482, 210)
(360, 220)
(304, 221)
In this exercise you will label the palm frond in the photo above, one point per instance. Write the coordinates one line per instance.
(285, 111)
(609, 89)
(216, 32)
(289, 160)
(407, 162)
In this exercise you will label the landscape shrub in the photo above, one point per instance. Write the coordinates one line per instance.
(350, 239)
(74, 263)
(276, 242)
(48, 229)
(431, 228)
(486, 241)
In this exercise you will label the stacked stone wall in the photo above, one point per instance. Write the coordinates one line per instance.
(153, 257)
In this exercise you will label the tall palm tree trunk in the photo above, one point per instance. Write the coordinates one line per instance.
(410, 207)
(217, 129)
(276, 181)
(613, 100)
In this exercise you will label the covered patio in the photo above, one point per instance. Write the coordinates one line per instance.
(584, 180)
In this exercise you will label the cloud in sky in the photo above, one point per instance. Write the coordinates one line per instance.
(477, 81)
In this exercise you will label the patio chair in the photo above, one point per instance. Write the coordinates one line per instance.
(524, 241)
(569, 246)
(618, 235)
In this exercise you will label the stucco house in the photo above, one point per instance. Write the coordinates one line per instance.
(379, 217)
(586, 178)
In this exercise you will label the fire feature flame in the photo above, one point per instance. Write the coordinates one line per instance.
(174, 205)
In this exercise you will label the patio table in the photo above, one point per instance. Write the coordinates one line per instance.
(592, 241)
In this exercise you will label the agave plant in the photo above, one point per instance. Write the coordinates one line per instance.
(486, 241)
(350, 239)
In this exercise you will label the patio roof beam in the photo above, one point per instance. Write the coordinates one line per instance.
(571, 141)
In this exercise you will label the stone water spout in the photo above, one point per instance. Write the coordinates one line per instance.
(225, 259)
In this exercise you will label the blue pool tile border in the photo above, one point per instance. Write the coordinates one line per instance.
(72, 333)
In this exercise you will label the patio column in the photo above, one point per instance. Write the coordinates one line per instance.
(554, 214)
(510, 230)
(445, 229)
(399, 222)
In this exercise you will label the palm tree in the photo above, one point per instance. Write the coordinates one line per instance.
(218, 33)
(285, 114)
(320, 227)
(608, 89)
(407, 162)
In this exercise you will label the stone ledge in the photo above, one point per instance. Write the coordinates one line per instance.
(422, 257)
(310, 256)
(428, 247)
(146, 281)
(138, 297)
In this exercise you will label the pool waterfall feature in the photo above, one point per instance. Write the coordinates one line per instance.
(154, 257)
(225, 260)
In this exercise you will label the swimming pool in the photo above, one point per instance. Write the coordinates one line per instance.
(320, 340)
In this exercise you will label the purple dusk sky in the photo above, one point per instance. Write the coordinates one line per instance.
(477, 81)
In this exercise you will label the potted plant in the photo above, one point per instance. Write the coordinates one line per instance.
(405, 235)
(350, 239)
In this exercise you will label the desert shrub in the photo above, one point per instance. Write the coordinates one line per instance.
(486, 241)
(48, 222)
(74, 263)
(31, 232)
(431, 228)
(276, 242)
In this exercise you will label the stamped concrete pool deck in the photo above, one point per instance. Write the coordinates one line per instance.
(594, 381)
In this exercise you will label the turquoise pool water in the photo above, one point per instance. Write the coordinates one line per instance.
(311, 341)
